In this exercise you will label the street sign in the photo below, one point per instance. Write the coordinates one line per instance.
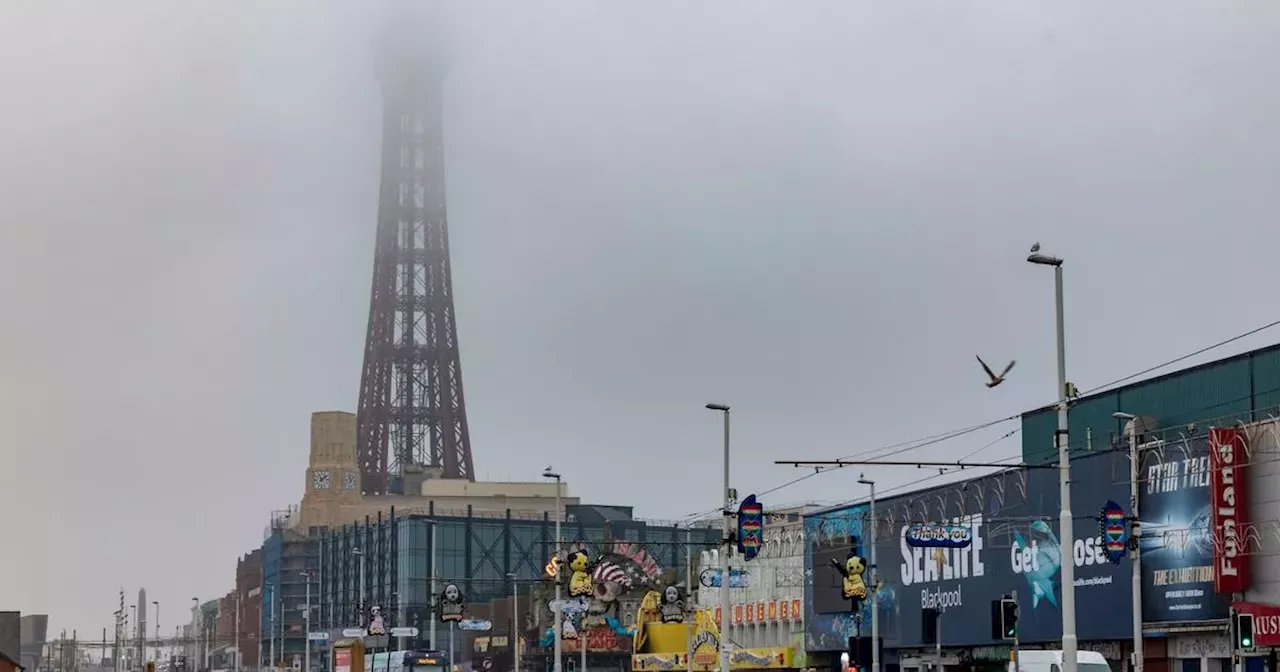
(353, 632)
(404, 632)
(318, 636)
(475, 624)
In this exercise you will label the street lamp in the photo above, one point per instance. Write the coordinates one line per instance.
(306, 621)
(1135, 533)
(1065, 532)
(137, 625)
(724, 544)
(875, 583)
(157, 606)
(557, 625)
(195, 613)
(359, 553)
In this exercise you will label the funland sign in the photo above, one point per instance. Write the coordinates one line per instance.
(1228, 492)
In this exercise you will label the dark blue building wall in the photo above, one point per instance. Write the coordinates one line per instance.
(1014, 515)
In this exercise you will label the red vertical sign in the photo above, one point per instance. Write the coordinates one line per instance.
(1230, 510)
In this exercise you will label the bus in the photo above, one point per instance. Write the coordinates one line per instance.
(413, 660)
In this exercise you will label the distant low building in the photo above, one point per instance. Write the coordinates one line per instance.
(34, 632)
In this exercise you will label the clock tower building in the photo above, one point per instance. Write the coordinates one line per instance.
(333, 475)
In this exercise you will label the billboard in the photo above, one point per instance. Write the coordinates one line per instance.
(829, 623)
(1014, 545)
(1229, 492)
(1177, 535)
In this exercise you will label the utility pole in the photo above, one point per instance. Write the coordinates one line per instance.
(690, 613)
(306, 664)
(271, 629)
(115, 648)
(1017, 642)
(435, 574)
(875, 582)
(726, 546)
(1066, 533)
(515, 621)
(558, 624)
(1135, 532)
(237, 635)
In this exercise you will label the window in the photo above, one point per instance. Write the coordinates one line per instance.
(526, 550)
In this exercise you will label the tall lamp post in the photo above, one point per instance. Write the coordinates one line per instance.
(157, 606)
(306, 620)
(359, 553)
(557, 624)
(1135, 534)
(1065, 532)
(195, 634)
(875, 582)
(136, 635)
(726, 514)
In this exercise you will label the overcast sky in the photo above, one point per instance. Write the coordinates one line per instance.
(815, 212)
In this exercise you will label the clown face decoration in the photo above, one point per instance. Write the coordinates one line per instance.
(451, 604)
(671, 608)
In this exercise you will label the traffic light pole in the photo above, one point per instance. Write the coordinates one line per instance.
(1016, 641)
(938, 648)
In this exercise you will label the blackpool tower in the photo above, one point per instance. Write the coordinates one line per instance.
(412, 414)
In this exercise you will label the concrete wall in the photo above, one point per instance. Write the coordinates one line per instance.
(35, 631)
(1263, 540)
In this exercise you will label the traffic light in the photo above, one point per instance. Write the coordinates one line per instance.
(1244, 631)
(1004, 619)
(929, 626)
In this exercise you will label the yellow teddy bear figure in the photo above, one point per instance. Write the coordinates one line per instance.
(579, 580)
(852, 569)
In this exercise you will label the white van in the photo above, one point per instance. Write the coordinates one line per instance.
(1051, 661)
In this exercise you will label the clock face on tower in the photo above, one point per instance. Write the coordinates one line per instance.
(350, 483)
(320, 480)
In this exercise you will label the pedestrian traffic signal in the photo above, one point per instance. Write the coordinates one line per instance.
(929, 626)
(1244, 631)
(1004, 619)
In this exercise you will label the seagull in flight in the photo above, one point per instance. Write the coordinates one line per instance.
(993, 378)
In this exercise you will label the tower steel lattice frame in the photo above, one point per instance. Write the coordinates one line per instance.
(412, 410)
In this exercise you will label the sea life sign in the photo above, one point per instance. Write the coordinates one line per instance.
(1115, 535)
(750, 527)
(939, 535)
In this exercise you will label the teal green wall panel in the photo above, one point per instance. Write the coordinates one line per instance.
(1224, 392)
(1266, 382)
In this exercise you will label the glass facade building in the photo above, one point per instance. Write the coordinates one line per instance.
(484, 553)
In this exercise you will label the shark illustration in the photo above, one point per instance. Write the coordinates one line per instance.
(1045, 563)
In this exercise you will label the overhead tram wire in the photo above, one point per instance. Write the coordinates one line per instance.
(1185, 357)
(907, 446)
(825, 469)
